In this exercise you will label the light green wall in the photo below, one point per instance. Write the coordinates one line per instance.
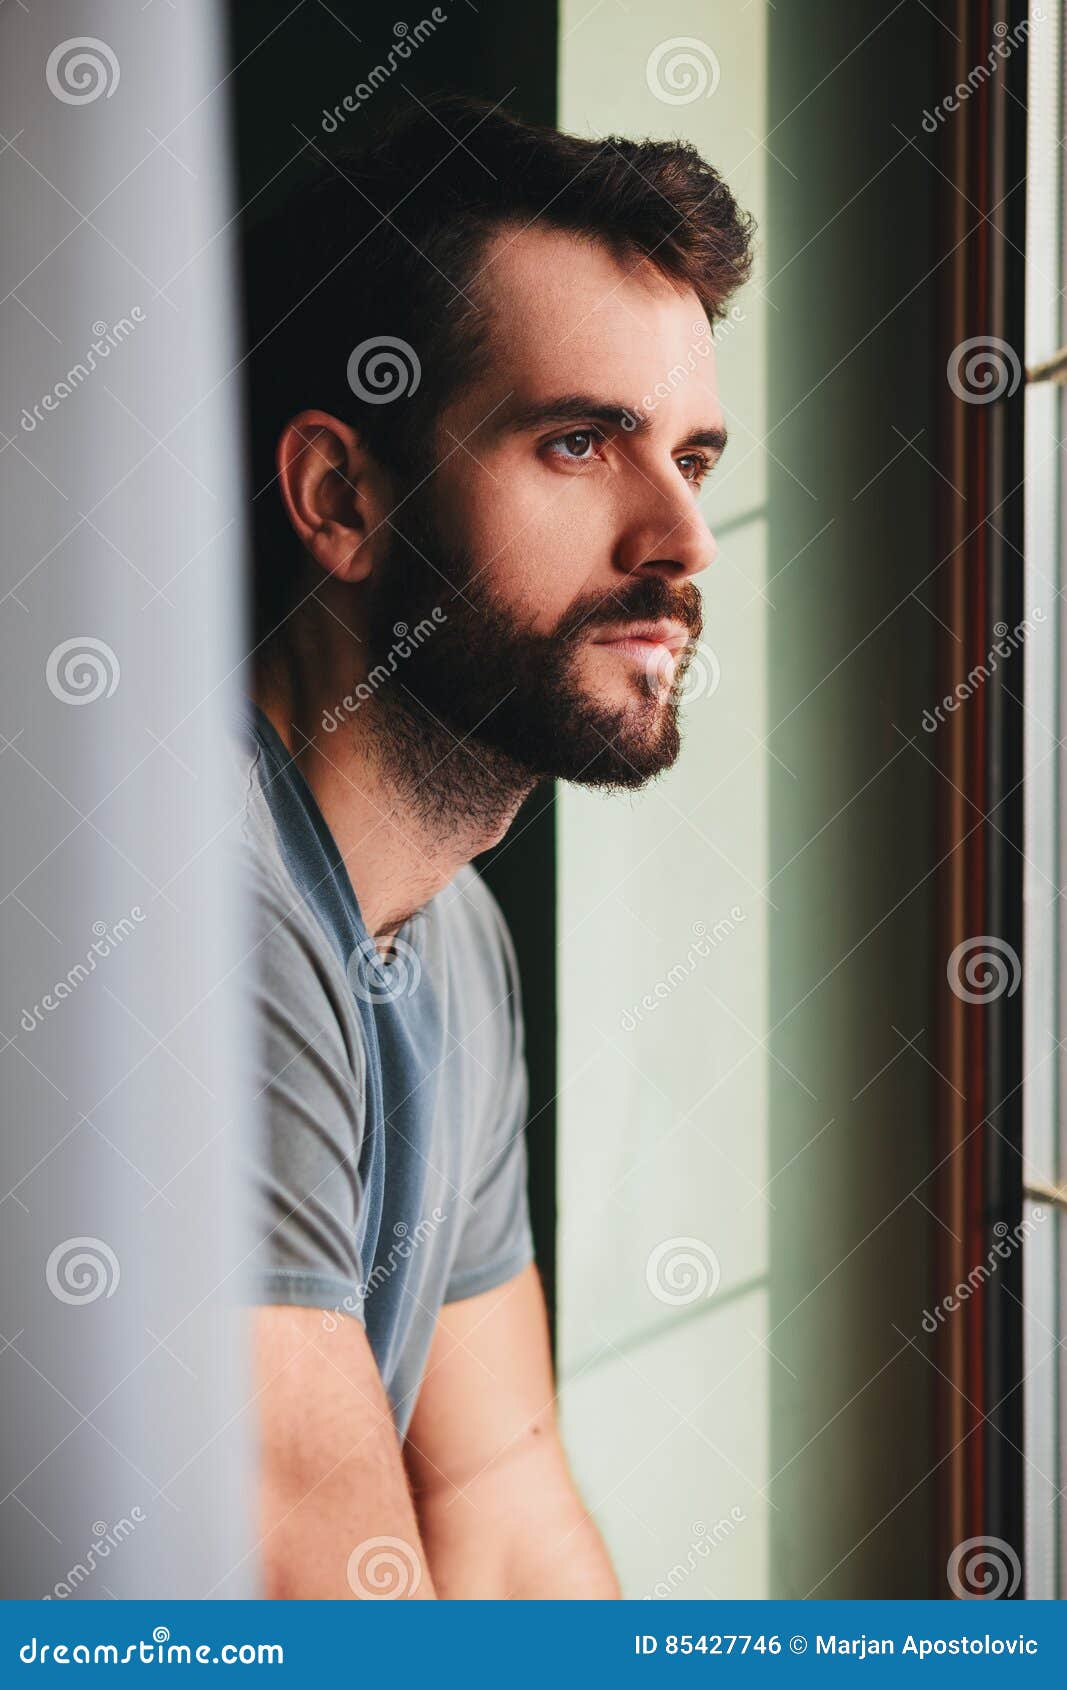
(783, 1418)
(663, 1124)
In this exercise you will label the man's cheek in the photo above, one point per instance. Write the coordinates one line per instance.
(526, 578)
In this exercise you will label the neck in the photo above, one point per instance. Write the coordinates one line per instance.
(407, 802)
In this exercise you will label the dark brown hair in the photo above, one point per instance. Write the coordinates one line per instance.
(382, 246)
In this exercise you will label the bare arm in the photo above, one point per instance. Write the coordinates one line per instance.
(497, 1507)
(332, 1482)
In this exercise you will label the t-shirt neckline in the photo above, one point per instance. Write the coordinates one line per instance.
(406, 940)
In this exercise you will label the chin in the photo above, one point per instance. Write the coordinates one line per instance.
(625, 754)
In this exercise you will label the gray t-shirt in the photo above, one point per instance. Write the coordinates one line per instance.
(390, 1165)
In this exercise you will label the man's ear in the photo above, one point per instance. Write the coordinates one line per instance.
(336, 494)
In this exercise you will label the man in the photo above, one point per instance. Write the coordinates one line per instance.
(483, 399)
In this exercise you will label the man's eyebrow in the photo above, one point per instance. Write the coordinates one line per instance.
(713, 438)
(568, 408)
(583, 407)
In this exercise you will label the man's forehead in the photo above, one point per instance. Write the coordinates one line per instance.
(566, 314)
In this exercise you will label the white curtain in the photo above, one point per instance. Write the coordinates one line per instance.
(124, 1434)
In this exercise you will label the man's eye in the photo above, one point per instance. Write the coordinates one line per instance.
(578, 446)
(694, 466)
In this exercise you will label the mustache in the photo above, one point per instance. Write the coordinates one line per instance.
(646, 600)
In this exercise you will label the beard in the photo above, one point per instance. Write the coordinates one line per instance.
(481, 691)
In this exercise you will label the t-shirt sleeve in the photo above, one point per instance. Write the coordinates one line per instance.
(308, 1107)
(497, 1241)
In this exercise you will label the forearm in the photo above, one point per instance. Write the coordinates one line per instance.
(313, 1545)
(336, 1515)
(537, 1543)
(498, 1510)
(566, 1559)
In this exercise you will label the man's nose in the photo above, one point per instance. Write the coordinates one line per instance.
(668, 537)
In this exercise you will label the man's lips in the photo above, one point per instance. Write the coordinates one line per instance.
(644, 639)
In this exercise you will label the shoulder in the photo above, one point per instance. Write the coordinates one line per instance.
(299, 982)
(477, 934)
(481, 980)
(250, 832)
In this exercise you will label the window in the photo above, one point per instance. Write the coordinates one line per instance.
(1045, 1140)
